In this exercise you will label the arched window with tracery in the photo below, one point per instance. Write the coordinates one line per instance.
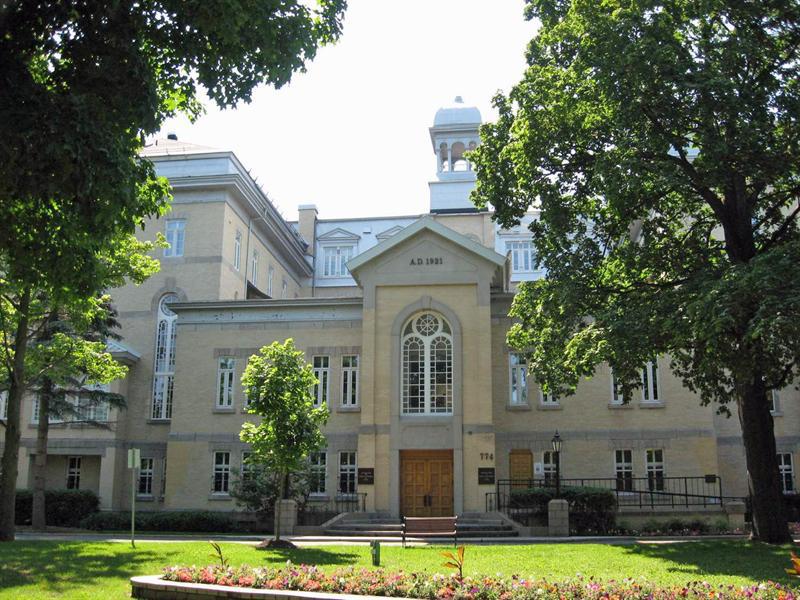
(164, 367)
(427, 367)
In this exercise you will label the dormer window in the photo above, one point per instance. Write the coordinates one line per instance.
(334, 260)
(521, 256)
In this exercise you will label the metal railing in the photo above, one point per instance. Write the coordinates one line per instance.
(317, 510)
(641, 492)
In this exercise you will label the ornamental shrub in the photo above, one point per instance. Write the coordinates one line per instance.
(591, 510)
(184, 521)
(63, 508)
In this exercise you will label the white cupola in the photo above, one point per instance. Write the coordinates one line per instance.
(454, 132)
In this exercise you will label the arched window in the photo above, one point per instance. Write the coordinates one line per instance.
(427, 351)
(164, 367)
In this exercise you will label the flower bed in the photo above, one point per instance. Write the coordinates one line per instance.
(421, 585)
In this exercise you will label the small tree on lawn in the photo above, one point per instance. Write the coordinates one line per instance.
(278, 383)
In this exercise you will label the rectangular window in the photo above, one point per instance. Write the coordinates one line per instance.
(322, 373)
(548, 399)
(775, 402)
(655, 468)
(623, 470)
(347, 473)
(350, 380)
(145, 477)
(521, 256)
(786, 470)
(163, 477)
(237, 250)
(518, 377)
(73, 472)
(650, 382)
(617, 397)
(318, 462)
(284, 288)
(4, 405)
(222, 472)
(225, 375)
(270, 277)
(93, 412)
(176, 231)
(334, 260)
(549, 465)
(254, 268)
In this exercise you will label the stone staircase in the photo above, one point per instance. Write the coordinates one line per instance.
(375, 525)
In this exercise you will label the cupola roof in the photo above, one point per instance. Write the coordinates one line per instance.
(457, 113)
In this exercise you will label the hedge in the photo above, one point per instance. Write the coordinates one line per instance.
(63, 508)
(186, 521)
(591, 510)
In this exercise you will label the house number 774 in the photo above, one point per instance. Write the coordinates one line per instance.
(487, 456)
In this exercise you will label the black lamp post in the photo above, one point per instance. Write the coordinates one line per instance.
(556, 441)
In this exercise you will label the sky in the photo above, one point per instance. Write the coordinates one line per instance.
(351, 134)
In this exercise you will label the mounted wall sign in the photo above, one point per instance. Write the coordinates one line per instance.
(366, 476)
(485, 475)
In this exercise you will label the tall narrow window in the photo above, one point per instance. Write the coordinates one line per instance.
(350, 380)
(284, 288)
(775, 402)
(548, 399)
(4, 405)
(549, 464)
(521, 256)
(617, 397)
(225, 375)
(222, 472)
(237, 250)
(623, 469)
(334, 260)
(254, 268)
(318, 462)
(73, 472)
(518, 379)
(175, 234)
(163, 477)
(650, 382)
(427, 355)
(145, 487)
(322, 372)
(270, 277)
(347, 473)
(655, 468)
(786, 470)
(164, 369)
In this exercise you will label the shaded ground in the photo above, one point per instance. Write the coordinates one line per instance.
(51, 569)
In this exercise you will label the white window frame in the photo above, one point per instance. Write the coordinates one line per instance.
(334, 260)
(549, 468)
(97, 413)
(221, 473)
(237, 250)
(318, 465)
(521, 251)
(322, 372)
(348, 468)
(350, 383)
(617, 398)
(164, 361)
(431, 390)
(73, 473)
(786, 471)
(651, 383)
(4, 405)
(775, 403)
(146, 477)
(655, 468)
(254, 268)
(226, 373)
(270, 277)
(623, 469)
(517, 379)
(175, 232)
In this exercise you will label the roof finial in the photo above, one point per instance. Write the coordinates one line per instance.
(459, 100)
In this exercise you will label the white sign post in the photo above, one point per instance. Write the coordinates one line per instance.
(134, 462)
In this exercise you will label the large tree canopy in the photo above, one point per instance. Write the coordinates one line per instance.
(82, 84)
(660, 141)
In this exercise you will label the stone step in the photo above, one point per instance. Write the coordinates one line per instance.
(382, 533)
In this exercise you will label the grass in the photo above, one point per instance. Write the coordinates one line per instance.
(46, 569)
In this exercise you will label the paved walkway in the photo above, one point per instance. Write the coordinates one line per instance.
(75, 536)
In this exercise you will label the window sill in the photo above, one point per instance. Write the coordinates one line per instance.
(348, 409)
(651, 405)
(614, 406)
(518, 407)
(159, 421)
(315, 497)
(145, 498)
(219, 496)
(776, 413)
(421, 417)
(549, 407)
(229, 410)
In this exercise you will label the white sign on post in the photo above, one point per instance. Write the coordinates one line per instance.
(134, 458)
(134, 462)
(538, 468)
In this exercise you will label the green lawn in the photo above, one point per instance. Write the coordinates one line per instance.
(101, 569)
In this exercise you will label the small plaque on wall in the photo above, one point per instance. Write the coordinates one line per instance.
(485, 475)
(366, 476)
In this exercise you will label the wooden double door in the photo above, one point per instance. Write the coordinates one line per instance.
(426, 483)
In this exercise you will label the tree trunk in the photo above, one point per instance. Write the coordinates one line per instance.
(278, 508)
(39, 509)
(766, 492)
(8, 475)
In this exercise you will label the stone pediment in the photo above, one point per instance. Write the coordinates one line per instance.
(339, 235)
(385, 235)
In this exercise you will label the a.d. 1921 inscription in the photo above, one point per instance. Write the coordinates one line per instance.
(426, 260)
